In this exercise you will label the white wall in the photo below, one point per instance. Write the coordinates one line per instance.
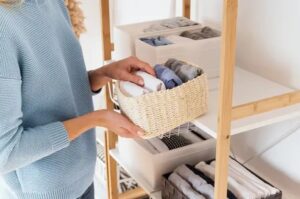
(268, 44)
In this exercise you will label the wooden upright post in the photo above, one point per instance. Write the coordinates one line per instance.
(186, 6)
(225, 98)
(110, 137)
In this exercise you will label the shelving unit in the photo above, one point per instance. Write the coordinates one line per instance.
(257, 102)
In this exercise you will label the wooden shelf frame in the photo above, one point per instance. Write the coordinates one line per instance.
(227, 113)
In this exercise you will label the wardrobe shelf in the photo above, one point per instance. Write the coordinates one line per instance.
(141, 182)
(248, 87)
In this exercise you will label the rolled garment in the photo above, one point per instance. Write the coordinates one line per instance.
(175, 141)
(170, 79)
(191, 137)
(151, 83)
(233, 164)
(203, 33)
(183, 70)
(197, 182)
(156, 41)
(184, 187)
(131, 89)
(237, 189)
(158, 144)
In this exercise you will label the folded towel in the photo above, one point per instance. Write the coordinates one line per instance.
(184, 187)
(156, 41)
(196, 181)
(170, 24)
(132, 90)
(247, 174)
(168, 76)
(158, 144)
(235, 187)
(151, 83)
(184, 71)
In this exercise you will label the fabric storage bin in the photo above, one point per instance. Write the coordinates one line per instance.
(125, 35)
(206, 53)
(150, 166)
(160, 112)
(169, 191)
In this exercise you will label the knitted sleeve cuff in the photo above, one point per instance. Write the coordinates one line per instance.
(58, 136)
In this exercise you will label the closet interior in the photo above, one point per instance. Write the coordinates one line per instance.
(194, 160)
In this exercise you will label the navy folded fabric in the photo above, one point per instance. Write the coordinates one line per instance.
(168, 76)
(156, 41)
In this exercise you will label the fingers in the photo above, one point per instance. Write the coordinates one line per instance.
(138, 64)
(125, 133)
(135, 79)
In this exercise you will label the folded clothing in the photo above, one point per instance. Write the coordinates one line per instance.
(203, 33)
(158, 144)
(183, 70)
(184, 187)
(198, 183)
(169, 78)
(131, 89)
(156, 41)
(170, 24)
(151, 83)
(176, 39)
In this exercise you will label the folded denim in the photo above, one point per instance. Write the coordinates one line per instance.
(156, 41)
(168, 76)
(203, 33)
(183, 70)
(184, 187)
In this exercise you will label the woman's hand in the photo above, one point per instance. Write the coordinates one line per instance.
(120, 70)
(111, 120)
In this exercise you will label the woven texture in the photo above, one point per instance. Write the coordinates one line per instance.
(159, 112)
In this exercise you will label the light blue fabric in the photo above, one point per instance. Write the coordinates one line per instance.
(168, 76)
(156, 41)
(43, 81)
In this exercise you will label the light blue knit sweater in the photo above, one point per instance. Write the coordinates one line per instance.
(43, 81)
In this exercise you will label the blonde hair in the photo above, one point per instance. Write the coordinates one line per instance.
(10, 2)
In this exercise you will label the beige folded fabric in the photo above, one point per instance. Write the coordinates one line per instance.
(132, 90)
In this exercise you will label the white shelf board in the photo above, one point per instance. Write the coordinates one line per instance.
(248, 87)
(141, 182)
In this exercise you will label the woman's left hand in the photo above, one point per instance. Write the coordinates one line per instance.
(120, 70)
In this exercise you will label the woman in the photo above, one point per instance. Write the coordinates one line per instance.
(47, 141)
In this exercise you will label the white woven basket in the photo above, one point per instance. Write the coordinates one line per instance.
(160, 112)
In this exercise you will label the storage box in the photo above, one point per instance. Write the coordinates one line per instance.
(125, 35)
(169, 191)
(205, 53)
(151, 166)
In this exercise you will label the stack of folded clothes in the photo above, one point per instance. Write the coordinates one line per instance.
(197, 182)
(170, 24)
(202, 33)
(169, 75)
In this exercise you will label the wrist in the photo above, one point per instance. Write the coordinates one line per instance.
(98, 79)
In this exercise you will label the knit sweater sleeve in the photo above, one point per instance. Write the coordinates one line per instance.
(21, 146)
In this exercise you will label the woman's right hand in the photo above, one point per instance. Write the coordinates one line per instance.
(119, 124)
